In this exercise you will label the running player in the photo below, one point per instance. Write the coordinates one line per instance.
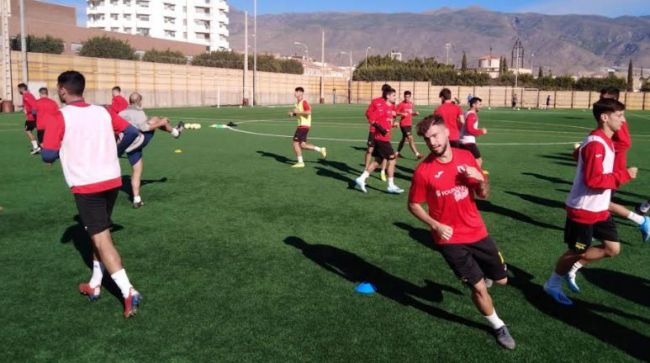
(136, 116)
(29, 107)
(376, 103)
(83, 136)
(46, 108)
(470, 130)
(448, 180)
(383, 150)
(405, 110)
(453, 116)
(588, 202)
(302, 113)
(118, 104)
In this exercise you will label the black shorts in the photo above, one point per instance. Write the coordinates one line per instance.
(301, 134)
(473, 149)
(456, 144)
(406, 131)
(40, 134)
(30, 125)
(371, 139)
(96, 209)
(578, 236)
(383, 150)
(474, 261)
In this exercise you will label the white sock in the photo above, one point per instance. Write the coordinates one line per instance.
(574, 269)
(391, 182)
(98, 274)
(364, 175)
(175, 132)
(645, 207)
(555, 281)
(137, 199)
(383, 171)
(317, 149)
(635, 218)
(122, 281)
(34, 144)
(494, 320)
(300, 160)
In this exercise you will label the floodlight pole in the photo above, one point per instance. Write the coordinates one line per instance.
(367, 49)
(23, 41)
(254, 52)
(245, 93)
(447, 48)
(322, 68)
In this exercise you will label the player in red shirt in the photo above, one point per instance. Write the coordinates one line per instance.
(453, 116)
(470, 130)
(383, 150)
(448, 180)
(370, 111)
(119, 103)
(29, 107)
(405, 110)
(588, 202)
(46, 108)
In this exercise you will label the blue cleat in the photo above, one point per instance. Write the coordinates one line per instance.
(571, 282)
(557, 295)
(645, 229)
(132, 303)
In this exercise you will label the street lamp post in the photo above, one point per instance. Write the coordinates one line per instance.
(367, 49)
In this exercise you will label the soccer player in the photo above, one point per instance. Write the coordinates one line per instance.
(405, 110)
(588, 202)
(136, 116)
(453, 116)
(548, 101)
(470, 129)
(83, 136)
(46, 108)
(448, 180)
(29, 107)
(383, 150)
(375, 104)
(302, 113)
(118, 104)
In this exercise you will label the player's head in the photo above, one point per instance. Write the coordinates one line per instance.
(407, 95)
(135, 99)
(609, 113)
(475, 103)
(299, 92)
(70, 84)
(389, 94)
(436, 135)
(445, 94)
(116, 91)
(22, 88)
(43, 92)
(385, 87)
(610, 92)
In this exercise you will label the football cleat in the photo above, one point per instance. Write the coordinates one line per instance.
(180, 126)
(36, 150)
(571, 282)
(91, 292)
(132, 303)
(383, 175)
(504, 338)
(645, 229)
(419, 156)
(360, 184)
(137, 205)
(557, 295)
(323, 152)
(394, 189)
(298, 165)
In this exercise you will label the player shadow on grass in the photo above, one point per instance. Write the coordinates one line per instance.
(584, 316)
(279, 158)
(128, 189)
(547, 178)
(539, 200)
(564, 157)
(341, 172)
(421, 235)
(633, 288)
(356, 270)
(77, 234)
(487, 206)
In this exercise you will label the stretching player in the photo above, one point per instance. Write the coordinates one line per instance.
(136, 117)
(83, 136)
(588, 202)
(46, 108)
(405, 110)
(447, 180)
(376, 103)
(29, 107)
(470, 129)
(383, 150)
(302, 113)
(118, 104)
(453, 116)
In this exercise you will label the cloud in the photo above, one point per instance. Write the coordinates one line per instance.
(590, 7)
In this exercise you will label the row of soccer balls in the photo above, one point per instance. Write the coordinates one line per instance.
(192, 126)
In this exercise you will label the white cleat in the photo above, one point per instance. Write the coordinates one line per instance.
(394, 190)
(360, 184)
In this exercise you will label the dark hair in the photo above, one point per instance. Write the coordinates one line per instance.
(43, 90)
(407, 93)
(607, 106)
(385, 87)
(473, 100)
(445, 93)
(300, 89)
(432, 120)
(22, 86)
(611, 91)
(73, 82)
(387, 91)
(117, 88)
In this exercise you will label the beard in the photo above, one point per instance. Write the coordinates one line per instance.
(444, 149)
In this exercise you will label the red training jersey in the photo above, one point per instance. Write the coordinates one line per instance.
(119, 104)
(372, 109)
(450, 113)
(46, 108)
(383, 116)
(622, 143)
(29, 105)
(450, 196)
(406, 109)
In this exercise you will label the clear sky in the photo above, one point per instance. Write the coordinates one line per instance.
(597, 7)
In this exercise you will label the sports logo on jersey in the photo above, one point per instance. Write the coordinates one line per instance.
(461, 168)
(599, 156)
(438, 174)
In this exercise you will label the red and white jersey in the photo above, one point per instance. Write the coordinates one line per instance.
(450, 196)
(84, 135)
(450, 113)
(588, 201)
(470, 129)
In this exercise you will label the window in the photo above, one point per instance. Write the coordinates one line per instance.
(127, 16)
(115, 29)
(170, 33)
(114, 2)
(143, 4)
(75, 47)
(115, 16)
(170, 20)
(127, 30)
(170, 7)
(127, 2)
(143, 31)
(142, 17)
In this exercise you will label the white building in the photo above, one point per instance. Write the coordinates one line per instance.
(194, 21)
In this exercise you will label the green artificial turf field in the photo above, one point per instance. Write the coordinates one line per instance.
(241, 258)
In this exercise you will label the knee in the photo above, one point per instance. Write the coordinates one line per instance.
(503, 281)
(303, 144)
(612, 249)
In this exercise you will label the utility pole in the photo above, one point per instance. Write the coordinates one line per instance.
(5, 50)
(254, 52)
(245, 93)
(23, 41)
(447, 48)
(322, 68)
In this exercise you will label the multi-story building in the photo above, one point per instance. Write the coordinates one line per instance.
(194, 21)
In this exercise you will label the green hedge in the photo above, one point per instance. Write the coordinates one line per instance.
(265, 63)
(105, 47)
(164, 56)
(36, 44)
